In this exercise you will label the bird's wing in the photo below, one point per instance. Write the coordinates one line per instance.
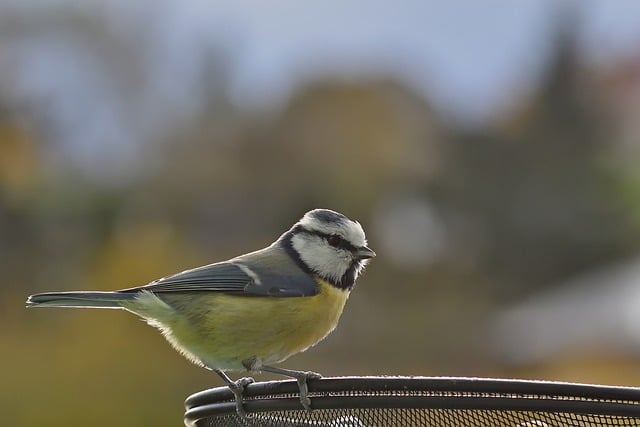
(234, 278)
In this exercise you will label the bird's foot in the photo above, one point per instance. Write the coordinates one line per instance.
(304, 388)
(237, 388)
(301, 377)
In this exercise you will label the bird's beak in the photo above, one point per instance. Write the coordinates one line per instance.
(364, 253)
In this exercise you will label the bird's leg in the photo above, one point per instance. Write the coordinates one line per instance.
(237, 388)
(301, 377)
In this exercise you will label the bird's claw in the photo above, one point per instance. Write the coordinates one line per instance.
(237, 388)
(304, 388)
(301, 378)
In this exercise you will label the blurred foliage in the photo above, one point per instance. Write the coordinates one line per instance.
(525, 202)
(539, 189)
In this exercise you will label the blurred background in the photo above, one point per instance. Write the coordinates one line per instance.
(490, 149)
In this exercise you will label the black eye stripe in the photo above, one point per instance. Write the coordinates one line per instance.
(343, 244)
(335, 240)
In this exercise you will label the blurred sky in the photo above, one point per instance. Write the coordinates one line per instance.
(269, 49)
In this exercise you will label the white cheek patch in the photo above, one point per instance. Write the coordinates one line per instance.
(325, 260)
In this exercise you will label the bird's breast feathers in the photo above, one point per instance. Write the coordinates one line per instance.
(228, 329)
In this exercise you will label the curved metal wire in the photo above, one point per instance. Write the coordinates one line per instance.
(346, 396)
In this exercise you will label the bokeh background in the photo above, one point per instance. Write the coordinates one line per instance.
(490, 149)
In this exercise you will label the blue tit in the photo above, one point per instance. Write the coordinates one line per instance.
(252, 311)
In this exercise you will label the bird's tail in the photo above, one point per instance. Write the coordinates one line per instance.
(80, 299)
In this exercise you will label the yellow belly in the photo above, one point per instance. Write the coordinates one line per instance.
(220, 331)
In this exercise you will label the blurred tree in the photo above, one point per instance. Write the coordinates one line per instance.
(536, 191)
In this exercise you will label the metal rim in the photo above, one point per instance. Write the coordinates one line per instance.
(445, 393)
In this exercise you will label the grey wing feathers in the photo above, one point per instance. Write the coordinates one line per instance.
(222, 277)
(235, 277)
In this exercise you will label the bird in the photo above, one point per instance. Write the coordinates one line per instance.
(253, 311)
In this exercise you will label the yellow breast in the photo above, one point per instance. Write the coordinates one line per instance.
(302, 322)
(220, 331)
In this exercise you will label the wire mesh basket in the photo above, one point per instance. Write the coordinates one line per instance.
(419, 401)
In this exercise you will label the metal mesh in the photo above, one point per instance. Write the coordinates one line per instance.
(419, 401)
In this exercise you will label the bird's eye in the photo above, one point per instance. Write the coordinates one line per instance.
(334, 241)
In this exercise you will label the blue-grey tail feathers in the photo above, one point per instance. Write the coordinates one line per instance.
(80, 299)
